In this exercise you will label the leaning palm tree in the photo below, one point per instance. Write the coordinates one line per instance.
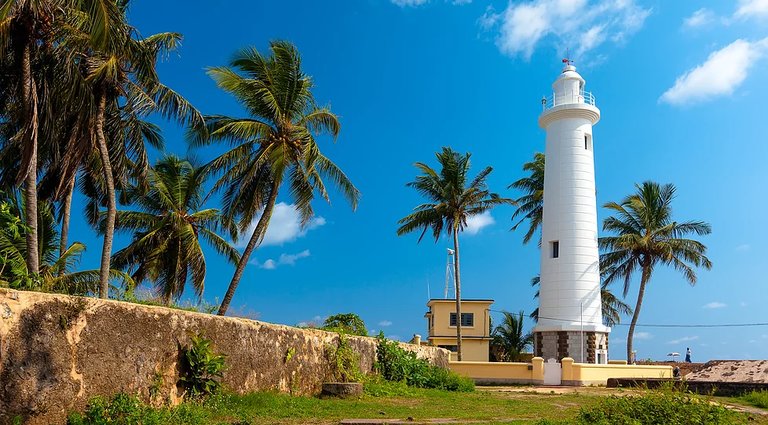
(612, 307)
(646, 236)
(452, 200)
(531, 203)
(122, 78)
(274, 145)
(510, 338)
(168, 230)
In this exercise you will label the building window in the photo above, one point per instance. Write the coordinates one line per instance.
(587, 142)
(467, 319)
(555, 249)
(451, 348)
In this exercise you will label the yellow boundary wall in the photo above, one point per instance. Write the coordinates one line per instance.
(574, 374)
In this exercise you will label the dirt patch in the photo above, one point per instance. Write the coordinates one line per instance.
(749, 371)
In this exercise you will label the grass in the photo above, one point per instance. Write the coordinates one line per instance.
(382, 400)
(756, 398)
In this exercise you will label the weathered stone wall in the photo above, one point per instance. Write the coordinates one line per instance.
(56, 352)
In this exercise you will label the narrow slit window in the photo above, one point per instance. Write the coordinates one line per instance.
(587, 142)
(555, 249)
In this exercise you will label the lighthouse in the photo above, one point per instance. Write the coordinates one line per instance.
(570, 316)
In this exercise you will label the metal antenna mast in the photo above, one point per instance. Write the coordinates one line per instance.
(449, 275)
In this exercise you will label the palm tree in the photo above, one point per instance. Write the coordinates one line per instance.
(612, 307)
(531, 204)
(55, 273)
(122, 81)
(29, 27)
(646, 236)
(453, 199)
(275, 145)
(167, 232)
(510, 337)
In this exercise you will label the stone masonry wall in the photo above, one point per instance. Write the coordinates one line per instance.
(57, 352)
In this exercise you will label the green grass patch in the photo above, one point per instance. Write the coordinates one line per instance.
(756, 398)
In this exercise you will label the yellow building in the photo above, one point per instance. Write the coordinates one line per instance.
(475, 327)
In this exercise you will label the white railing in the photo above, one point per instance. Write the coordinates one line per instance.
(567, 99)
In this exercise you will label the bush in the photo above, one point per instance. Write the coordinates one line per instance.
(656, 407)
(201, 368)
(345, 362)
(347, 323)
(394, 363)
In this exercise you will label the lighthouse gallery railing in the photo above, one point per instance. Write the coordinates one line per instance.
(567, 99)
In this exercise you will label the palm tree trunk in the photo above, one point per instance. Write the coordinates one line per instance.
(641, 292)
(29, 100)
(256, 238)
(66, 213)
(458, 290)
(109, 224)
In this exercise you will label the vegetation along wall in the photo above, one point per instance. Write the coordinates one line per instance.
(56, 352)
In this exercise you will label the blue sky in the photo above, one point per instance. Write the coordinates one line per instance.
(680, 85)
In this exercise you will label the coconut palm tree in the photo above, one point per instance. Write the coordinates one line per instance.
(531, 203)
(612, 307)
(452, 200)
(510, 337)
(29, 27)
(274, 145)
(168, 229)
(121, 79)
(645, 237)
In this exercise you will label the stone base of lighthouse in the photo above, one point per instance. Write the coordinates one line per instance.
(568, 343)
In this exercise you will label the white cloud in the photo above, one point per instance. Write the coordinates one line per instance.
(409, 3)
(476, 223)
(283, 260)
(269, 264)
(699, 18)
(721, 74)
(581, 24)
(285, 226)
(743, 247)
(752, 9)
(385, 323)
(643, 335)
(683, 339)
(714, 304)
(415, 3)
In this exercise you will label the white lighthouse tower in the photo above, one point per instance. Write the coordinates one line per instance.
(570, 318)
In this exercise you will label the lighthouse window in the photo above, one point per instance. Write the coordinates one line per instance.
(555, 245)
(587, 142)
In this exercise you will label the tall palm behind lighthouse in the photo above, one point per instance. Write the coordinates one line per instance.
(570, 319)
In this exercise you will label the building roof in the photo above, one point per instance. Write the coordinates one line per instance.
(453, 300)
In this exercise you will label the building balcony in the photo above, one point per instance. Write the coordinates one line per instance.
(581, 97)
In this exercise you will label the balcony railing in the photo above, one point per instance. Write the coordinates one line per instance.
(567, 99)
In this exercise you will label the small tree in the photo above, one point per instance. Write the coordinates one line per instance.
(510, 338)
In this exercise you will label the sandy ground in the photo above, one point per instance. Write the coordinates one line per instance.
(732, 371)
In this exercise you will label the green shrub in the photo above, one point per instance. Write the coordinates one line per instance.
(348, 323)
(345, 362)
(201, 367)
(756, 398)
(656, 407)
(394, 363)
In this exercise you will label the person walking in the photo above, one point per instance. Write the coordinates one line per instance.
(688, 355)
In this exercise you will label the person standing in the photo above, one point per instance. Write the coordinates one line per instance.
(688, 355)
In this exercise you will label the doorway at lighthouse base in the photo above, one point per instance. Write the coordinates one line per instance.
(584, 347)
